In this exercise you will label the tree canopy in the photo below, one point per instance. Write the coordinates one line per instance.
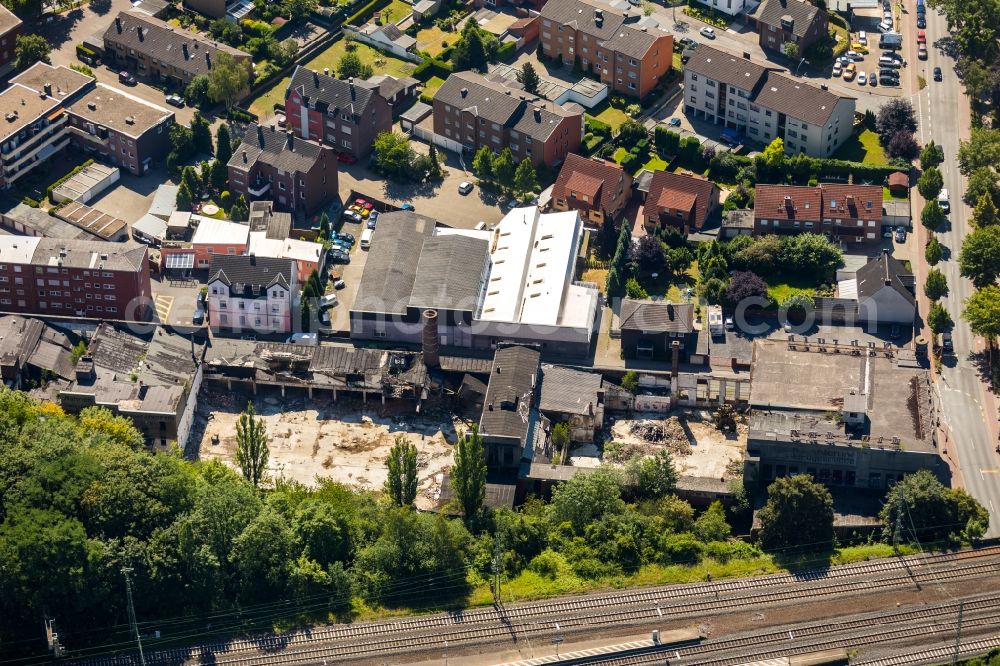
(30, 49)
(928, 512)
(468, 476)
(982, 311)
(979, 259)
(228, 79)
(798, 514)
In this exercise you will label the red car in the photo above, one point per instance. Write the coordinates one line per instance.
(921, 37)
(346, 158)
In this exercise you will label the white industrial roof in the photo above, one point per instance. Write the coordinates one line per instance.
(17, 249)
(151, 225)
(290, 248)
(220, 232)
(164, 201)
(533, 262)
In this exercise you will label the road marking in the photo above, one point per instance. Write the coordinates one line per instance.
(992, 470)
(163, 305)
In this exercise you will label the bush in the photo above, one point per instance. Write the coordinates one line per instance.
(28, 201)
(240, 115)
(362, 15)
(87, 54)
(597, 127)
(506, 51)
(430, 68)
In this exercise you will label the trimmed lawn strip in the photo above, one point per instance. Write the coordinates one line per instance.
(864, 147)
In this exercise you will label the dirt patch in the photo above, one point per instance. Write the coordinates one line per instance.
(698, 448)
(312, 440)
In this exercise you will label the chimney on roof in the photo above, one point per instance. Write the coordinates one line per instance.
(538, 113)
(465, 92)
(788, 201)
(48, 89)
(508, 92)
(208, 59)
(316, 79)
(260, 135)
(746, 55)
(244, 157)
(850, 200)
(138, 31)
(598, 17)
(118, 24)
(326, 71)
(184, 48)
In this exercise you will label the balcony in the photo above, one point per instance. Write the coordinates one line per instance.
(33, 134)
(49, 149)
(88, 137)
(37, 152)
(258, 188)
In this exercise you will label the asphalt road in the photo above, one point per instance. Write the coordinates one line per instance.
(961, 398)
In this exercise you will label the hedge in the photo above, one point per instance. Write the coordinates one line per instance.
(430, 68)
(598, 127)
(361, 16)
(506, 51)
(83, 52)
(76, 170)
(238, 114)
(28, 201)
(666, 140)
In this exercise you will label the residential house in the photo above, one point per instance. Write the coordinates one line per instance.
(213, 237)
(154, 49)
(400, 92)
(779, 22)
(251, 294)
(599, 189)
(628, 52)
(851, 214)
(679, 200)
(471, 111)
(75, 278)
(728, 7)
(297, 174)
(342, 114)
(10, 28)
(388, 38)
(510, 413)
(755, 99)
(573, 397)
(886, 292)
(649, 329)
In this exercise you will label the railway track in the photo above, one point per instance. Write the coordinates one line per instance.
(936, 655)
(486, 625)
(919, 623)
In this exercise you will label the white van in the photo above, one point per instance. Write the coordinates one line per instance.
(366, 238)
(944, 201)
(862, 38)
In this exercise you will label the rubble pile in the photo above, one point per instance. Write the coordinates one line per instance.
(669, 434)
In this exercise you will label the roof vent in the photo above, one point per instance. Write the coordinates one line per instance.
(746, 55)
(47, 88)
(823, 86)
(130, 120)
(141, 34)
(104, 257)
(92, 106)
(326, 71)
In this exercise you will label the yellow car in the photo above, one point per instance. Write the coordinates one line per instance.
(850, 71)
(365, 212)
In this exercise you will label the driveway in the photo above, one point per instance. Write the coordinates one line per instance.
(71, 28)
(340, 321)
(441, 201)
(131, 196)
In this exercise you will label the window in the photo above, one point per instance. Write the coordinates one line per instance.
(347, 144)
(694, 98)
(710, 95)
(710, 83)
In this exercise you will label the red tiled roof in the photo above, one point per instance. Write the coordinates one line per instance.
(858, 202)
(665, 184)
(578, 174)
(677, 200)
(788, 202)
(899, 179)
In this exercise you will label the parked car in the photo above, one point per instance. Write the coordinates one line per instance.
(855, 56)
(889, 62)
(921, 22)
(891, 54)
(888, 80)
(687, 43)
(937, 74)
(128, 78)
(921, 37)
(175, 100)
(863, 38)
(408, 206)
(366, 238)
(708, 32)
(850, 71)
(199, 317)
(900, 235)
(946, 343)
(351, 215)
(370, 223)
(944, 200)
(339, 284)
(464, 187)
(339, 257)
(922, 52)
(344, 236)
(674, 122)
(844, 61)
(872, 79)
(862, 79)
(837, 70)
(328, 301)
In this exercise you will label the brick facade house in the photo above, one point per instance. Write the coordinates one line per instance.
(624, 50)
(74, 278)
(781, 21)
(679, 200)
(851, 214)
(341, 114)
(599, 189)
(298, 175)
(473, 111)
(10, 28)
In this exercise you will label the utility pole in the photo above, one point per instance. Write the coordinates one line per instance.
(495, 583)
(127, 571)
(897, 531)
(958, 632)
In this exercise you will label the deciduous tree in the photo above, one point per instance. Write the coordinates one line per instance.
(928, 511)
(938, 318)
(30, 49)
(350, 66)
(979, 259)
(982, 311)
(401, 483)
(252, 449)
(798, 514)
(932, 155)
(525, 179)
(504, 169)
(933, 252)
(935, 285)
(985, 213)
(743, 285)
(468, 476)
(712, 524)
(896, 115)
(930, 183)
(228, 79)
(482, 164)
(932, 215)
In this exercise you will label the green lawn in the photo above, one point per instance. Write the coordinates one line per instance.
(396, 12)
(655, 163)
(619, 155)
(432, 39)
(380, 62)
(887, 194)
(779, 291)
(432, 85)
(610, 115)
(864, 147)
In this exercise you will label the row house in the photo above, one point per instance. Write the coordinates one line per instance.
(628, 52)
(47, 108)
(74, 278)
(247, 293)
(749, 97)
(341, 114)
(298, 175)
(600, 190)
(851, 214)
(154, 49)
(473, 111)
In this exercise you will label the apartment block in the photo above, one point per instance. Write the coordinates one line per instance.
(628, 52)
(156, 50)
(10, 28)
(752, 98)
(300, 176)
(341, 114)
(74, 278)
(851, 214)
(250, 293)
(471, 111)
